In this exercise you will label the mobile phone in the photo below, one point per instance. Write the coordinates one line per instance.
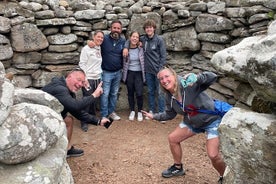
(107, 124)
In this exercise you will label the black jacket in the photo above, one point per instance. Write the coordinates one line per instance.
(57, 87)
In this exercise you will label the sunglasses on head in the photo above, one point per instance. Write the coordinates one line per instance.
(75, 70)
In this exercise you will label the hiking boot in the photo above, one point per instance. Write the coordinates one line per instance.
(131, 115)
(147, 117)
(72, 152)
(173, 171)
(84, 127)
(140, 116)
(114, 116)
(220, 181)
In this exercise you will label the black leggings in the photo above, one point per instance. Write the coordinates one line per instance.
(135, 84)
(91, 109)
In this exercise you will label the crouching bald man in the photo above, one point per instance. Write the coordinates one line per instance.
(64, 89)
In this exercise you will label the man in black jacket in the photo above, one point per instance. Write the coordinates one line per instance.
(64, 90)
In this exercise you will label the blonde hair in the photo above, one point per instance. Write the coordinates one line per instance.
(176, 86)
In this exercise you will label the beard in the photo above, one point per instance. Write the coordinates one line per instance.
(115, 35)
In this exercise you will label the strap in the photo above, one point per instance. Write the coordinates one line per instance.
(187, 109)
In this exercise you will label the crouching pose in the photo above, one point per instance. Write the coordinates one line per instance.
(64, 90)
(184, 96)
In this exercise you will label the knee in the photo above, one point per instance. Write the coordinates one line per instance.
(214, 156)
(172, 139)
(68, 121)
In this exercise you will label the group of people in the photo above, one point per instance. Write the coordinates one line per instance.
(108, 59)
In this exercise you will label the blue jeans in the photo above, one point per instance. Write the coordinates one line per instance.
(111, 84)
(153, 88)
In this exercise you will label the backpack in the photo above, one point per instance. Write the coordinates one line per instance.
(221, 108)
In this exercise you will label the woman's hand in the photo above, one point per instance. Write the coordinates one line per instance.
(147, 114)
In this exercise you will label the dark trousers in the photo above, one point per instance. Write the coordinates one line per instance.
(91, 109)
(135, 85)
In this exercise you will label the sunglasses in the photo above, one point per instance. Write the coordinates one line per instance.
(77, 69)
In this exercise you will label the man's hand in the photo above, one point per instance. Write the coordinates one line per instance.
(91, 43)
(104, 120)
(98, 91)
(125, 52)
(86, 85)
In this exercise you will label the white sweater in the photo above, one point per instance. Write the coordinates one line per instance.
(91, 61)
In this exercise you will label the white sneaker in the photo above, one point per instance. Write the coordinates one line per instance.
(131, 115)
(140, 116)
(147, 117)
(114, 116)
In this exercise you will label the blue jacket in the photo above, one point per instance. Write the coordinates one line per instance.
(57, 87)
(112, 53)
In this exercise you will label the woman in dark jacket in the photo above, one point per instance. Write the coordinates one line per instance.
(183, 96)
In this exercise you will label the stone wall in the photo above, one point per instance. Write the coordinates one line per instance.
(40, 39)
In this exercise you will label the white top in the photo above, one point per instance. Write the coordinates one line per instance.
(91, 62)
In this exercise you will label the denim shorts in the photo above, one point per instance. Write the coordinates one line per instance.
(211, 129)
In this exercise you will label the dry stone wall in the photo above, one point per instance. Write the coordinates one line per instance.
(40, 39)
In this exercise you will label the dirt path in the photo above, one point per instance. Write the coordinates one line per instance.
(132, 152)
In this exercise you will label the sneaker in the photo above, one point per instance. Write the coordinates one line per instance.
(114, 116)
(72, 152)
(163, 122)
(147, 117)
(84, 127)
(140, 116)
(131, 115)
(173, 171)
(220, 181)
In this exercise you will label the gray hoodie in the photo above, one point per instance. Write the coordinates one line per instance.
(192, 97)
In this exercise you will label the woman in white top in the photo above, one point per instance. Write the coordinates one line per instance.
(90, 63)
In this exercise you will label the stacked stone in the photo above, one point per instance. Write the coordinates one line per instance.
(42, 39)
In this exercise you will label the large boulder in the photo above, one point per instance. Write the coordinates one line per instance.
(29, 130)
(248, 146)
(252, 60)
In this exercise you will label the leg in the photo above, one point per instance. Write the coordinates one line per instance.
(69, 127)
(161, 98)
(114, 89)
(130, 89)
(92, 107)
(139, 90)
(71, 151)
(214, 155)
(151, 91)
(106, 77)
(175, 138)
